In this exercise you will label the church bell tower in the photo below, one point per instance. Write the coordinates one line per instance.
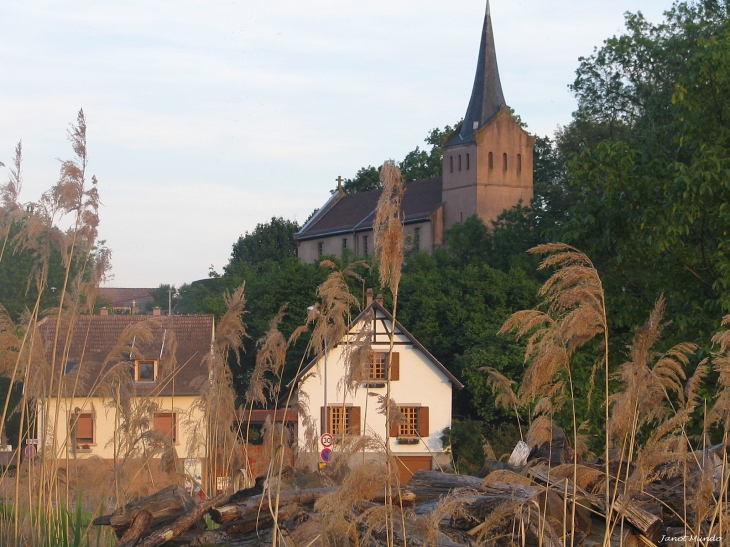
(487, 163)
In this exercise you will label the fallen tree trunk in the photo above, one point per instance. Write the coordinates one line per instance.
(646, 523)
(165, 506)
(251, 506)
(428, 485)
(643, 521)
(139, 526)
(184, 523)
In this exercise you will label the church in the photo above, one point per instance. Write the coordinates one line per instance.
(487, 168)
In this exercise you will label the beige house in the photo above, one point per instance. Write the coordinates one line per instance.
(487, 168)
(420, 385)
(129, 384)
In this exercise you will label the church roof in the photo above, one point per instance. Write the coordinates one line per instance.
(487, 98)
(356, 212)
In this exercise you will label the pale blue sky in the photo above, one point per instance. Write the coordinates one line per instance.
(206, 118)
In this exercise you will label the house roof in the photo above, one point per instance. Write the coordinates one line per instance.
(356, 212)
(94, 338)
(487, 98)
(377, 307)
(123, 296)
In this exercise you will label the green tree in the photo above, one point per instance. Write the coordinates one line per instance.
(164, 296)
(426, 164)
(271, 241)
(650, 168)
(366, 179)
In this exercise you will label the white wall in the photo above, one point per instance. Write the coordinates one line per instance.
(420, 383)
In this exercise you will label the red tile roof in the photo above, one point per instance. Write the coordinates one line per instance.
(95, 337)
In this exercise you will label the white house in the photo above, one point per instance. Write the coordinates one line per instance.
(420, 385)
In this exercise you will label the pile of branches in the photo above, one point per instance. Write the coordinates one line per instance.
(544, 497)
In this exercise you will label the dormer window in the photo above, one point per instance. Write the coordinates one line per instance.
(145, 371)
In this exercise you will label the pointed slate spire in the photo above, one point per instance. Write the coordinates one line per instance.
(486, 96)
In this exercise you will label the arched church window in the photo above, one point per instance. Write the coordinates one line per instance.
(459, 162)
(451, 164)
(519, 163)
(504, 161)
(491, 161)
(467, 162)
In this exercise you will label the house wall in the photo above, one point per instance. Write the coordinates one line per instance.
(104, 425)
(308, 250)
(420, 383)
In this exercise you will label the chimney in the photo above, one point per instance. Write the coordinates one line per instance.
(104, 311)
(157, 310)
(379, 298)
(369, 297)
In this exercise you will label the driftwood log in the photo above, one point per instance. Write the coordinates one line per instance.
(643, 521)
(139, 526)
(427, 485)
(184, 523)
(165, 506)
(253, 505)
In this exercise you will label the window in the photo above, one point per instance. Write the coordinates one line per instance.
(417, 239)
(414, 424)
(519, 163)
(459, 162)
(376, 367)
(409, 426)
(320, 248)
(145, 371)
(165, 424)
(504, 161)
(451, 164)
(341, 420)
(365, 245)
(82, 428)
(344, 243)
(491, 161)
(467, 162)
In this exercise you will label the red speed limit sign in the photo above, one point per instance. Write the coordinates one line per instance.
(326, 440)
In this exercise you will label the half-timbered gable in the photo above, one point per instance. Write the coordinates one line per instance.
(342, 397)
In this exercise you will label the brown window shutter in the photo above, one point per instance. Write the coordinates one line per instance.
(85, 428)
(394, 429)
(354, 417)
(164, 423)
(395, 366)
(423, 430)
(323, 420)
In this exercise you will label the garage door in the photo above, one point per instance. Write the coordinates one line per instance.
(408, 465)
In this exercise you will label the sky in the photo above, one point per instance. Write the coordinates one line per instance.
(207, 118)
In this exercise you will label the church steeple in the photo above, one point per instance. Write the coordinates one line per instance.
(487, 98)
